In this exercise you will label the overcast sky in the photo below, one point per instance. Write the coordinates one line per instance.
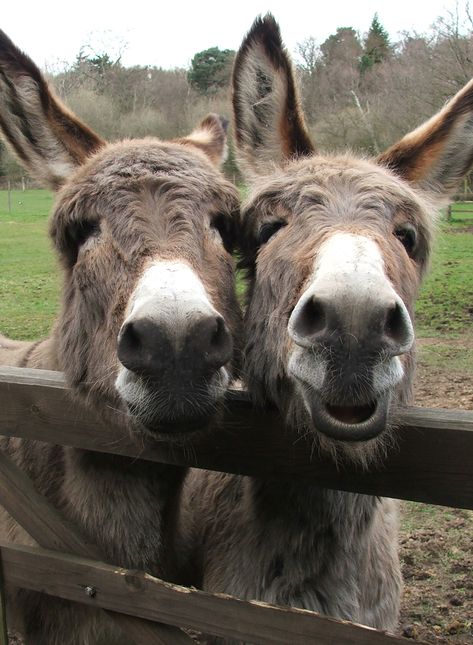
(168, 34)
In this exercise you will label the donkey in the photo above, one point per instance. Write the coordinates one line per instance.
(335, 247)
(147, 327)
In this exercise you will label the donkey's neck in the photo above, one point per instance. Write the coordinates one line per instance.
(126, 507)
(295, 507)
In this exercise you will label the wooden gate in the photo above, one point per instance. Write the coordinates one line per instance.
(431, 463)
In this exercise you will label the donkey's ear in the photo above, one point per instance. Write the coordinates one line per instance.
(210, 136)
(269, 123)
(438, 154)
(48, 139)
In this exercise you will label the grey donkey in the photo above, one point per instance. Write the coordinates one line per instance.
(335, 248)
(146, 332)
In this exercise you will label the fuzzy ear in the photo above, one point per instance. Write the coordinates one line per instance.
(210, 136)
(48, 139)
(438, 154)
(269, 123)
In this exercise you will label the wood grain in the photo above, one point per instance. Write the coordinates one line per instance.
(148, 597)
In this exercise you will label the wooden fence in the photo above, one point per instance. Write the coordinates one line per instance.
(466, 201)
(430, 463)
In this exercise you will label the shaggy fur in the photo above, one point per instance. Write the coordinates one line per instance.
(281, 541)
(120, 207)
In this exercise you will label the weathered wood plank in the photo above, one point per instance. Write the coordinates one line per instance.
(50, 530)
(3, 612)
(431, 463)
(147, 597)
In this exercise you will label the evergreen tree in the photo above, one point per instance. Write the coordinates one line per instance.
(377, 47)
(211, 69)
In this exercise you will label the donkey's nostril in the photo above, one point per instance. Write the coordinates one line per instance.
(212, 340)
(128, 338)
(309, 320)
(218, 336)
(398, 327)
(143, 347)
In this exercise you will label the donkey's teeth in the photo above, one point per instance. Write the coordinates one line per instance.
(351, 413)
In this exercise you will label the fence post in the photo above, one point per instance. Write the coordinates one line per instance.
(9, 197)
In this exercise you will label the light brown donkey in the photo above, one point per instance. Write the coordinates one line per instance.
(146, 329)
(336, 247)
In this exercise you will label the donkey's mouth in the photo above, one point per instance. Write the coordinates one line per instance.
(349, 422)
(351, 414)
(166, 427)
(178, 427)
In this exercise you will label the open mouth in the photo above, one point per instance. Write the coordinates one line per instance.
(351, 414)
(348, 422)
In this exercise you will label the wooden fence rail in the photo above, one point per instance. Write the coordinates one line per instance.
(430, 461)
(139, 594)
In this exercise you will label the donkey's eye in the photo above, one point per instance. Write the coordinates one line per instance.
(224, 226)
(268, 230)
(407, 235)
(84, 230)
(78, 234)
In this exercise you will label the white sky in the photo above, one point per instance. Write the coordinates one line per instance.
(169, 33)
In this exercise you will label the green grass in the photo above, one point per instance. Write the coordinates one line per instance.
(445, 304)
(30, 278)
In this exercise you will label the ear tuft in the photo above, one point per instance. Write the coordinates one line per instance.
(210, 136)
(269, 122)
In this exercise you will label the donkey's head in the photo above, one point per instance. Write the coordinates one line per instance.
(336, 247)
(144, 230)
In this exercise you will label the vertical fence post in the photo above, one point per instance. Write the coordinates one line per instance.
(3, 612)
(9, 197)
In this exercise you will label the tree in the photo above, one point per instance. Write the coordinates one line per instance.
(343, 46)
(211, 69)
(377, 47)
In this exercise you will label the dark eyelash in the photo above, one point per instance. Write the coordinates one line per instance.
(224, 225)
(407, 235)
(268, 230)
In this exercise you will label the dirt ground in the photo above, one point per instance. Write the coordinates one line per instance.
(436, 543)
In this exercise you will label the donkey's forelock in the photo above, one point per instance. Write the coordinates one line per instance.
(128, 181)
(346, 193)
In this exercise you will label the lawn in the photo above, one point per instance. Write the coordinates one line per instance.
(445, 305)
(29, 277)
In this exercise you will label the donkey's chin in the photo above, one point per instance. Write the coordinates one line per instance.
(351, 422)
(158, 411)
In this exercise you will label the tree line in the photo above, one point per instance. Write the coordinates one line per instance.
(361, 91)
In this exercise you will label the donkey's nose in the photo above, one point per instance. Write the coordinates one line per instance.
(164, 349)
(379, 324)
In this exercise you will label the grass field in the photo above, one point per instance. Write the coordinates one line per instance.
(30, 279)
